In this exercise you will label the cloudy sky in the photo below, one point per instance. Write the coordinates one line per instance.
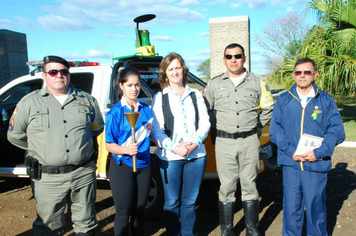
(98, 30)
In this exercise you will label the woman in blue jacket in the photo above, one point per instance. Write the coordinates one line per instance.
(130, 190)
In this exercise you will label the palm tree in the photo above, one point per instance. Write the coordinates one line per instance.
(332, 44)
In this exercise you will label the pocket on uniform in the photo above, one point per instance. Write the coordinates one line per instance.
(221, 99)
(41, 118)
(84, 115)
(251, 95)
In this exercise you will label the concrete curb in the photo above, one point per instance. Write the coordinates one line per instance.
(348, 144)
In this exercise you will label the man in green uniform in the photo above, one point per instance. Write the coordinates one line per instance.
(237, 96)
(56, 125)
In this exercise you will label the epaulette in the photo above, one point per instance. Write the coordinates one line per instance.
(259, 76)
(217, 76)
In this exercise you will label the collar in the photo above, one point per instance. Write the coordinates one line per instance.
(72, 90)
(168, 89)
(293, 90)
(244, 76)
(125, 104)
(310, 94)
(187, 91)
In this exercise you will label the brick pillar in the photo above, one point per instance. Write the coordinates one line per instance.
(13, 56)
(223, 31)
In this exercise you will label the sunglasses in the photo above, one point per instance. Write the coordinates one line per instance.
(229, 56)
(55, 72)
(307, 73)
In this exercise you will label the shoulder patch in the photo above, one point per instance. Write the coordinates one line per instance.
(215, 77)
(11, 124)
(266, 99)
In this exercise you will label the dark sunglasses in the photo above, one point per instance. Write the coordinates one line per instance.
(307, 73)
(229, 56)
(55, 72)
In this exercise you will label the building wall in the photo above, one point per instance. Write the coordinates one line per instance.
(223, 31)
(13, 55)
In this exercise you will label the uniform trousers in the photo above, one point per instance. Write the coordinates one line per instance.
(130, 191)
(304, 189)
(237, 159)
(52, 193)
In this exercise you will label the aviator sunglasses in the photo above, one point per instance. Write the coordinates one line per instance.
(55, 72)
(229, 56)
(306, 72)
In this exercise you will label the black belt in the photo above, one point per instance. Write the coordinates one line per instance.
(223, 134)
(61, 169)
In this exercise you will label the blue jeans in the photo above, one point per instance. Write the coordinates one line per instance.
(181, 183)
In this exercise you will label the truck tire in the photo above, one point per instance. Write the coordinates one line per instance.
(155, 201)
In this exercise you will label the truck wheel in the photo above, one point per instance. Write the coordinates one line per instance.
(155, 201)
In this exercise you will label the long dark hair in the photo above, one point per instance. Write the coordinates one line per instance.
(122, 78)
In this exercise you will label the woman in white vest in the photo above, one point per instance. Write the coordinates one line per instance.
(180, 126)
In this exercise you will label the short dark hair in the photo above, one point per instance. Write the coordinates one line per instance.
(122, 78)
(235, 45)
(305, 60)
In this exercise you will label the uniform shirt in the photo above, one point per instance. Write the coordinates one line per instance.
(237, 107)
(184, 124)
(55, 134)
(118, 130)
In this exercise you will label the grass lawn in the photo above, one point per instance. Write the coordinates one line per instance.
(347, 110)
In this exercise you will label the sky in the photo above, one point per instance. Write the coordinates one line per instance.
(98, 30)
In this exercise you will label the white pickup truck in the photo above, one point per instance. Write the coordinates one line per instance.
(98, 81)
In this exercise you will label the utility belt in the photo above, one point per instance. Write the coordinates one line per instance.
(223, 134)
(34, 169)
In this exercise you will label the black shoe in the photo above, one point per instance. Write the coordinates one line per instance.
(89, 233)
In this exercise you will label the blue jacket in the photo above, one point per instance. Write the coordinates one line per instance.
(320, 117)
(118, 130)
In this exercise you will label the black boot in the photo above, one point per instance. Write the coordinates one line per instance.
(226, 213)
(251, 209)
(89, 233)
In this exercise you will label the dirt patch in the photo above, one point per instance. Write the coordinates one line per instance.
(17, 208)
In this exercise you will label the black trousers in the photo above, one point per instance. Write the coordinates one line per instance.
(130, 191)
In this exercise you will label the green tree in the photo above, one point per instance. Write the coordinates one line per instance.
(204, 69)
(332, 45)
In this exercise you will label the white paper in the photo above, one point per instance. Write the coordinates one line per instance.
(308, 143)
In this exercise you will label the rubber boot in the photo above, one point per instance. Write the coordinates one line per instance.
(226, 213)
(89, 233)
(251, 209)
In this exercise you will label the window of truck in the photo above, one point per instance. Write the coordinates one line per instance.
(15, 94)
(83, 81)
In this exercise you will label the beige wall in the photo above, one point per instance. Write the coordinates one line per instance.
(223, 31)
